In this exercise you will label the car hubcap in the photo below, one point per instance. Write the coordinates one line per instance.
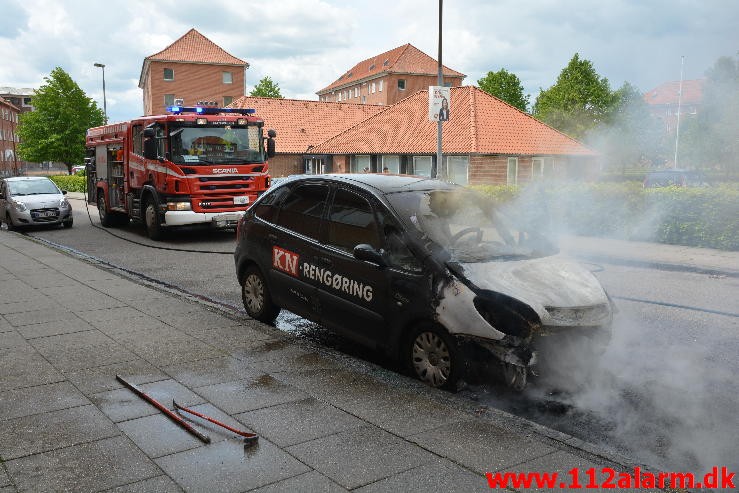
(431, 359)
(254, 293)
(150, 216)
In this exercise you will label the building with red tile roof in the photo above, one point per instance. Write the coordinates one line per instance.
(193, 68)
(301, 124)
(386, 78)
(485, 141)
(9, 163)
(664, 99)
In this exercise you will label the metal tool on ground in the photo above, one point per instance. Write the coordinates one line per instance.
(174, 417)
(248, 437)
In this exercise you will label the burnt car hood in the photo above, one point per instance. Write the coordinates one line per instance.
(549, 285)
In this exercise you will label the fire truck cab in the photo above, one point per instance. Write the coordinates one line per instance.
(197, 165)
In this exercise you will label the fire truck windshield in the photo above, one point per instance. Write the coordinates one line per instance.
(223, 144)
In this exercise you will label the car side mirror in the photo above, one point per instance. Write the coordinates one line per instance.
(64, 192)
(368, 254)
(150, 148)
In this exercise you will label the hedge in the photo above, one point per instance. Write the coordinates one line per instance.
(703, 217)
(70, 183)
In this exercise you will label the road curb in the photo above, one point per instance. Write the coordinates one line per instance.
(666, 266)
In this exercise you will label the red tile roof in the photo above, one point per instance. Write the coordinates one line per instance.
(301, 124)
(667, 93)
(479, 124)
(406, 59)
(194, 47)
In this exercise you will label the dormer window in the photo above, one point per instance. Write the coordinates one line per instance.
(372, 67)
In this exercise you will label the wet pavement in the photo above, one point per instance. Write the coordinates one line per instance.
(327, 422)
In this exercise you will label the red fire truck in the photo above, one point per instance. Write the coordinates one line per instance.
(197, 165)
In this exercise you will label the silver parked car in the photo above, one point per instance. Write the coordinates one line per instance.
(33, 201)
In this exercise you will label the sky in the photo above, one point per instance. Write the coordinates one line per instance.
(304, 45)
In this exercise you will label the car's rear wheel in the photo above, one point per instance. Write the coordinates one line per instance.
(256, 298)
(434, 357)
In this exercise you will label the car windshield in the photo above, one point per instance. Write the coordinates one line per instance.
(469, 227)
(32, 187)
(224, 144)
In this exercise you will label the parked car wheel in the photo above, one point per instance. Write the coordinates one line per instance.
(69, 223)
(433, 357)
(9, 222)
(256, 298)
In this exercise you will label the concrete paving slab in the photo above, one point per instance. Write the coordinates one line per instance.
(201, 318)
(141, 323)
(300, 421)
(92, 466)
(99, 379)
(247, 395)
(358, 457)
(4, 478)
(79, 350)
(210, 372)
(164, 305)
(173, 351)
(440, 475)
(40, 316)
(57, 327)
(310, 482)
(124, 289)
(159, 484)
(228, 338)
(230, 467)
(7, 489)
(71, 298)
(5, 326)
(49, 278)
(94, 314)
(12, 339)
(276, 355)
(123, 404)
(24, 367)
(42, 303)
(481, 446)
(39, 399)
(30, 435)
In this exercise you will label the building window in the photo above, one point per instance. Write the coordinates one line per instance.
(537, 167)
(356, 92)
(228, 78)
(392, 163)
(512, 173)
(26, 101)
(380, 88)
(422, 166)
(227, 100)
(364, 99)
(457, 169)
(168, 100)
(373, 87)
(168, 74)
(401, 84)
(360, 164)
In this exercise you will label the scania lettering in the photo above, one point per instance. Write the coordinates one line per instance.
(195, 165)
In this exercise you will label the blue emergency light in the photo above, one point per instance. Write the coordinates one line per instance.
(207, 110)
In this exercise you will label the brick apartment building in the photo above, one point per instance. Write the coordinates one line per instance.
(388, 77)
(9, 164)
(192, 69)
(663, 101)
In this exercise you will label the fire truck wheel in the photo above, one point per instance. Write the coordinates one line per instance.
(151, 220)
(256, 298)
(105, 218)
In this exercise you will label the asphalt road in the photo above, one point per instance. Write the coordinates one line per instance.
(664, 393)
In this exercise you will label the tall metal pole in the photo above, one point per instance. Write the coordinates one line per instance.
(440, 168)
(679, 102)
(105, 104)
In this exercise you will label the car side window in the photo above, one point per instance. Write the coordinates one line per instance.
(351, 222)
(397, 253)
(302, 209)
(268, 207)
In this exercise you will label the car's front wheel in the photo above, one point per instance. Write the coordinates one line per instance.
(256, 298)
(68, 223)
(434, 357)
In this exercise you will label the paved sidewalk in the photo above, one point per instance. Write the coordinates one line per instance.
(326, 422)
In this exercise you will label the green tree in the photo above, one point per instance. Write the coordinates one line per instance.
(266, 88)
(505, 86)
(55, 130)
(578, 102)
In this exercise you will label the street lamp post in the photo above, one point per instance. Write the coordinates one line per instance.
(105, 104)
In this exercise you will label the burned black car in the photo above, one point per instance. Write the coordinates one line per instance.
(426, 271)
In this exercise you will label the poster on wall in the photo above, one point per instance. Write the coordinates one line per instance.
(438, 103)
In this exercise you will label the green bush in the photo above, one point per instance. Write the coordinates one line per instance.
(70, 183)
(703, 217)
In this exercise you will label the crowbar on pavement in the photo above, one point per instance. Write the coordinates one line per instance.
(248, 437)
(177, 419)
